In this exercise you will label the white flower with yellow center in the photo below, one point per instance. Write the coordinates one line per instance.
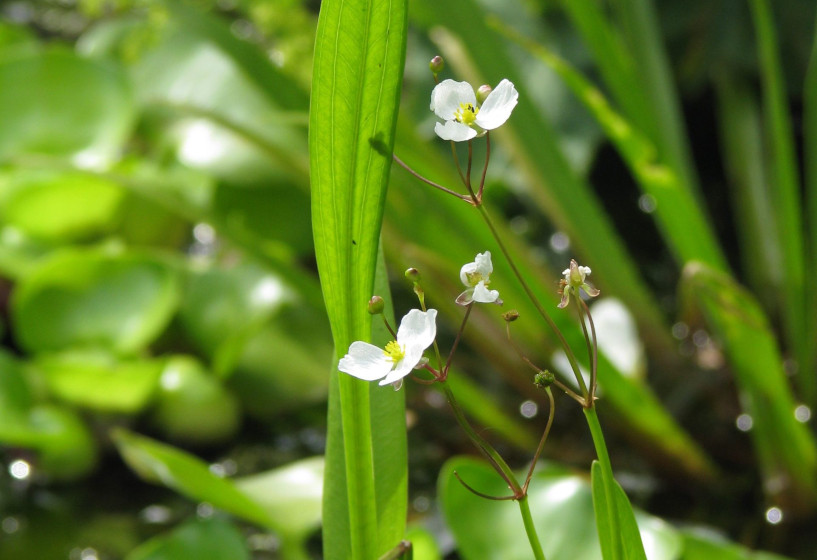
(456, 104)
(477, 276)
(369, 362)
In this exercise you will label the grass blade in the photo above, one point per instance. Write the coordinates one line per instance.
(785, 195)
(786, 451)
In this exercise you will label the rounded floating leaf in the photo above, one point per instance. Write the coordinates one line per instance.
(91, 298)
(203, 539)
(57, 103)
(192, 405)
(97, 380)
(60, 207)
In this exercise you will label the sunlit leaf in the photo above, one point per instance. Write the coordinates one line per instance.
(203, 539)
(90, 297)
(57, 103)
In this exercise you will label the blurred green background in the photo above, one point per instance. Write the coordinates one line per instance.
(166, 354)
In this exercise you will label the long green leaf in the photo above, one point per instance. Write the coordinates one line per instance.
(786, 450)
(640, 29)
(359, 56)
(785, 194)
(810, 158)
(683, 223)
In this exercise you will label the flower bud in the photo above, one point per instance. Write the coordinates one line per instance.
(376, 305)
(482, 93)
(511, 316)
(544, 379)
(436, 65)
(413, 275)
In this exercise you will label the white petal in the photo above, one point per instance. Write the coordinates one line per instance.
(466, 297)
(498, 106)
(484, 264)
(417, 330)
(404, 366)
(447, 96)
(365, 361)
(467, 269)
(484, 295)
(456, 131)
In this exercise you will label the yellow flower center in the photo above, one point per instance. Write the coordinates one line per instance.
(394, 351)
(466, 114)
(475, 278)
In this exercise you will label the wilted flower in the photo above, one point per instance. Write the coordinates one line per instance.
(392, 363)
(575, 278)
(476, 276)
(456, 104)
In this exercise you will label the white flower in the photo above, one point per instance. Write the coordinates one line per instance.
(456, 104)
(575, 278)
(369, 362)
(476, 276)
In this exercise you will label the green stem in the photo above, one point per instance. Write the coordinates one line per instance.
(530, 529)
(568, 351)
(487, 449)
(604, 460)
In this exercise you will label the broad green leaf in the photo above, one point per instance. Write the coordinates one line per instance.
(57, 103)
(192, 405)
(162, 464)
(261, 333)
(359, 56)
(60, 207)
(64, 446)
(784, 446)
(203, 539)
(291, 495)
(562, 506)
(92, 297)
(99, 381)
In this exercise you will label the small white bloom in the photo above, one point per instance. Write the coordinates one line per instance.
(369, 362)
(476, 276)
(456, 104)
(575, 279)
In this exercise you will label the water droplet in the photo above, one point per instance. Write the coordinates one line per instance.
(559, 242)
(20, 469)
(744, 422)
(10, 525)
(774, 515)
(680, 331)
(802, 413)
(528, 409)
(647, 203)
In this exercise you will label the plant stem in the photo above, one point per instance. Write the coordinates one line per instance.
(487, 449)
(604, 459)
(530, 529)
(568, 351)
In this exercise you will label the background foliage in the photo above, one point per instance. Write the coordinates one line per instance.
(159, 277)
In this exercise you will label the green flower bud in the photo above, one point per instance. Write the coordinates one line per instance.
(544, 379)
(376, 305)
(482, 93)
(436, 65)
(413, 275)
